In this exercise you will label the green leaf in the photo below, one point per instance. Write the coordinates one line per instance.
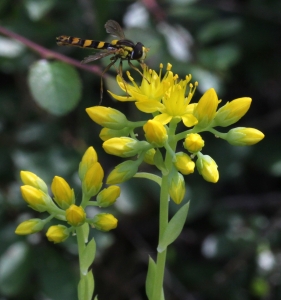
(86, 230)
(88, 256)
(86, 287)
(55, 86)
(149, 283)
(173, 228)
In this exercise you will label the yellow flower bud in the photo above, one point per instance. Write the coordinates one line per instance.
(107, 117)
(232, 111)
(63, 194)
(184, 163)
(122, 172)
(92, 182)
(242, 136)
(123, 146)
(29, 178)
(176, 187)
(208, 168)
(29, 227)
(193, 142)
(108, 196)
(89, 158)
(107, 133)
(35, 198)
(206, 108)
(155, 133)
(75, 215)
(57, 233)
(149, 156)
(104, 222)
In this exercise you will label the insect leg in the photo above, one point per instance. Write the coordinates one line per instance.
(114, 59)
(136, 69)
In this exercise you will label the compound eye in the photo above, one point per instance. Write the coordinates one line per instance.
(138, 51)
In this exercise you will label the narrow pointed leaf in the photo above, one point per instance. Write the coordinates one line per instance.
(88, 256)
(149, 283)
(86, 287)
(173, 228)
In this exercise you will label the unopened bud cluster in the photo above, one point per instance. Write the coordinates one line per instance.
(63, 204)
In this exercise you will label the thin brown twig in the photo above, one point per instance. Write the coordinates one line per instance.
(48, 54)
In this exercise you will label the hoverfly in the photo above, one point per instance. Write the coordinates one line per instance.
(121, 48)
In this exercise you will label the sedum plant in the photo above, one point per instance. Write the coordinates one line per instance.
(167, 102)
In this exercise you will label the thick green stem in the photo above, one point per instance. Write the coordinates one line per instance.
(164, 215)
(81, 245)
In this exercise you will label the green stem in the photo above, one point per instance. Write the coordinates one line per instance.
(164, 214)
(149, 176)
(81, 246)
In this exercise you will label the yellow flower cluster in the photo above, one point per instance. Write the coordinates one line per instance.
(62, 206)
(168, 99)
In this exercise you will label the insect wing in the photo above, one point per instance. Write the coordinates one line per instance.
(97, 56)
(113, 28)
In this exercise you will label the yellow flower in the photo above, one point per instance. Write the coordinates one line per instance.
(232, 111)
(242, 136)
(206, 108)
(89, 158)
(108, 196)
(122, 172)
(208, 168)
(150, 92)
(107, 117)
(92, 181)
(35, 198)
(63, 194)
(184, 163)
(107, 133)
(149, 156)
(104, 222)
(176, 187)
(155, 133)
(75, 215)
(57, 233)
(29, 178)
(176, 104)
(124, 146)
(29, 227)
(193, 142)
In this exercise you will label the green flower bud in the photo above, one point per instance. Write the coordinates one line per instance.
(29, 227)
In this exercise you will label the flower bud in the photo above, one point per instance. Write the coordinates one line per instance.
(107, 117)
(206, 108)
(242, 136)
(184, 163)
(193, 142)
(208, 168)
(155, 133)
(63, 194)
(29, 227)
(232, 111)
(124, 146)
(57, 233)
(107, 133)
(149, 156)
(92, 182)
(176, 187)
(75, 215)
(122, 172)
(89, 158)
(104, 222)
(35, 198)
(108, 196)
(29, 178)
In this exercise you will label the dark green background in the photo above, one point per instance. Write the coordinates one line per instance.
(233, 226)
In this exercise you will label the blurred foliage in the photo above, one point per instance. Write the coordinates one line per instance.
(230, 247)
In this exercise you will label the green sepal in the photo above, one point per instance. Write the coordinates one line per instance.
(158, 161)
(87, 256)
(150, 278)
(173, 228)
(86, 287)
